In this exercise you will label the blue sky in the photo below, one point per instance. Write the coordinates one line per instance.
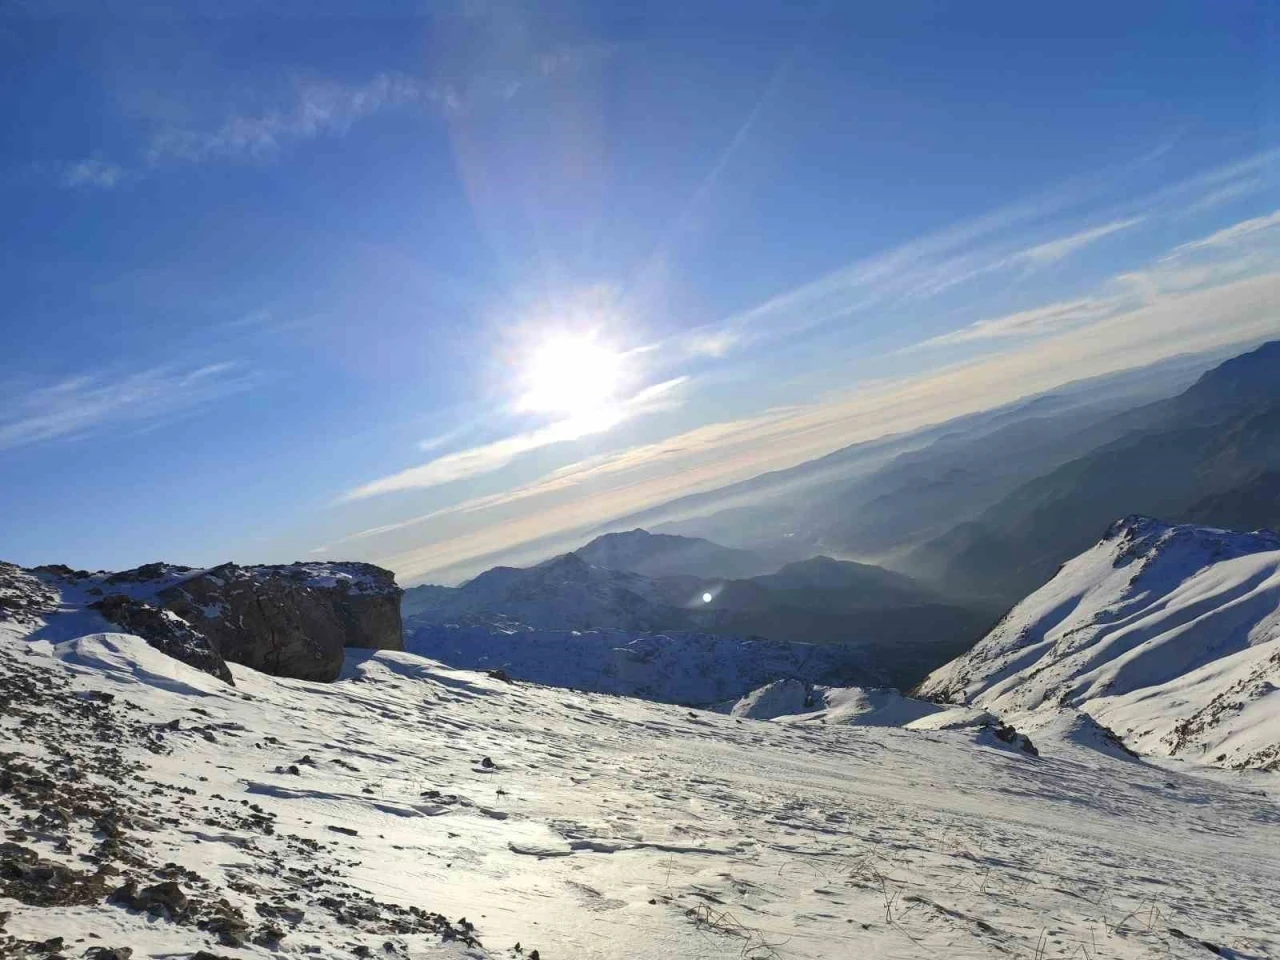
(313, 285)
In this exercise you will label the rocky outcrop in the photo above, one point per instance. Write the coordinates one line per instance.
(24, 597)
(166, 631)
(291, 621)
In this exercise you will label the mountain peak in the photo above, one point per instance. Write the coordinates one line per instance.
(1250, 376)
(664, 554)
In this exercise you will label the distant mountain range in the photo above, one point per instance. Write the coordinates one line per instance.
(970, 517)
(1209, 455)
(878, 500)
(985, 508)
(901, 628)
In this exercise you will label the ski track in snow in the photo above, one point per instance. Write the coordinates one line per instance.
(610, 827)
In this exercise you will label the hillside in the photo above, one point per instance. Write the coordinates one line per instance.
(412, 810)
(1168, 635)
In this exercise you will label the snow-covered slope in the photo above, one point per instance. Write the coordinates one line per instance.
(1167, 635)
(409, 810)
(688, 668)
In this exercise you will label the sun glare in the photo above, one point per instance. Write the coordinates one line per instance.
(574, 377)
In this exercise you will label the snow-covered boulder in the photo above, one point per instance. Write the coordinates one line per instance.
(774, 700)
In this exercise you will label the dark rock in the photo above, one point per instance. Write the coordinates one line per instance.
(108, 953)
(269, 936)
(167, 632)
(148, 572)
(1009, 735)
(27, 878)
(166, 897)
(293, 621)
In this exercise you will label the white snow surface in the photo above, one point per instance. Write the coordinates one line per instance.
(618, 828)
(790, 701)
(1167, 635)
(700, 669)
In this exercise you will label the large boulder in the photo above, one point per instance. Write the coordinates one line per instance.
(291, 621)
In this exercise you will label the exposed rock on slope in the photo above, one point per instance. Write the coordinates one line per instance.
(293, 621)
(166, 631)
(1168, 635)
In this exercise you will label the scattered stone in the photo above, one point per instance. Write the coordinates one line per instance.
(162, 898)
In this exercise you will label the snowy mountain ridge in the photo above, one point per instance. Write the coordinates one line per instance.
(1168, 635)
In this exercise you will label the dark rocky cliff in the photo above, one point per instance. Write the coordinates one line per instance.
(295, 620)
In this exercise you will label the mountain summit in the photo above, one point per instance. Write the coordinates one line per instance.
(666, 555)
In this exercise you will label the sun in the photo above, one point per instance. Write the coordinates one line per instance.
(570, 376)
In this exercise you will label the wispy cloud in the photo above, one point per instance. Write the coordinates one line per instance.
(1235, 251)
(1054, 250)
(1038, 321)
(476, 461)
(315, 109)
(78, 405)
(918, 270)
(92, 172)
(1233, 235)
(310, 108)
(1008, 241)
